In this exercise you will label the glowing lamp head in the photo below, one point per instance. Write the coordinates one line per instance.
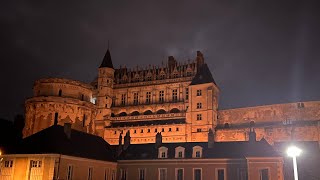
(293, 151)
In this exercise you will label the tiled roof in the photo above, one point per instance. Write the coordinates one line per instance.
(203, 76)
(237, 149)
(148, 123)
(107, 61)
(53, 140)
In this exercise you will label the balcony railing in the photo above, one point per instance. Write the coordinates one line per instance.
(151, 103)
(149, 117)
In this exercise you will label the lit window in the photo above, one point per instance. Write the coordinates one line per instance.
(199, 105)
(135, 98)
(199, 92)
(179, 152)
(161, 96)
(163, 152)
(179, 174)
(162, 174)
(197, 174)
(199, 117)
(197, 152)
(148, 97)
(175, 95)
(142, 174)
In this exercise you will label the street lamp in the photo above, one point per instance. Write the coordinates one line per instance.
(293, 152)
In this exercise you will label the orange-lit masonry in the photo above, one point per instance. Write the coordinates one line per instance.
(180, 100)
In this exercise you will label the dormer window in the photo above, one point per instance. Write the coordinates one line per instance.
(197, 152)
(179, 152)
(163, 152)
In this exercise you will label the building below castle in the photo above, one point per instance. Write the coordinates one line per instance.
(177, 99)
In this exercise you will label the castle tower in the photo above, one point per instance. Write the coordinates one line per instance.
(203, 105)
(105, 93)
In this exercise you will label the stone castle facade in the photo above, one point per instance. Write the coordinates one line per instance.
(179, 100)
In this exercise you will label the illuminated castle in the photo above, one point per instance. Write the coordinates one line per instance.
(179, 100)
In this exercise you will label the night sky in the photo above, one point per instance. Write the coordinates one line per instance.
(260, 52)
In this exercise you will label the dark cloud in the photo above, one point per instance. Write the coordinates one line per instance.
(260, 52)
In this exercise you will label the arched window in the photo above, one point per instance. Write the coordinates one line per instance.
(135, 113)
(163, 152)
(148, 112)
(174, 110)
(197, 152)
(179, 152)
(161, 111)
(60, 92)
(112, 114)
(123, 114)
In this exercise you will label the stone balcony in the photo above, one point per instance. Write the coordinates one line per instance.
(149, 117)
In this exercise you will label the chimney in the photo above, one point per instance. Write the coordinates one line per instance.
(120, 139)
(119, 151)
(127, 140)
(210, 138)
(67, 129)
(158, 140)
(252, 135)
(171, 62)
(200, 59)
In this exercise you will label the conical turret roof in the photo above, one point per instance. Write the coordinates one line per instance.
(107, 61)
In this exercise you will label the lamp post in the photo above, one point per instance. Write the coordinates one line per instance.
(293, 152)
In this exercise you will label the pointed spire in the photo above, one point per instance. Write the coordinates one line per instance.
(107, 61)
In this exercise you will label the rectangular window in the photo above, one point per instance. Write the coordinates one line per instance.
(148, 130)
(187, 93)
(156, 130)
(169, 129)
(175, 95)
(69, 172)
(243, 174)
(142, 174)
(179, 174)
(134, 131)
(148, 97)
(123, 99)
(141, 131)
(221, 175)
(8, 164)
(197, 174)
(162, 174)
(163, 154)
(177, 129)
(135, 98)
(180, 154)
(199, 105)
(161, 96)
(36, 164)
(90, 171)
(264, 174)
(199, 117)
(198, 154)
(123, 174)
(199, 130)
(199, 92)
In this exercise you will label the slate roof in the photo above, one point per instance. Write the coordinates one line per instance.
(203, 76)
(148, 123)
(53, 140)
(237, 149)
(107, 61)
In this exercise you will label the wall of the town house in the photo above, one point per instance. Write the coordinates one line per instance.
(209, 168)
(81, 167)
(21, 167)
(275, 167)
